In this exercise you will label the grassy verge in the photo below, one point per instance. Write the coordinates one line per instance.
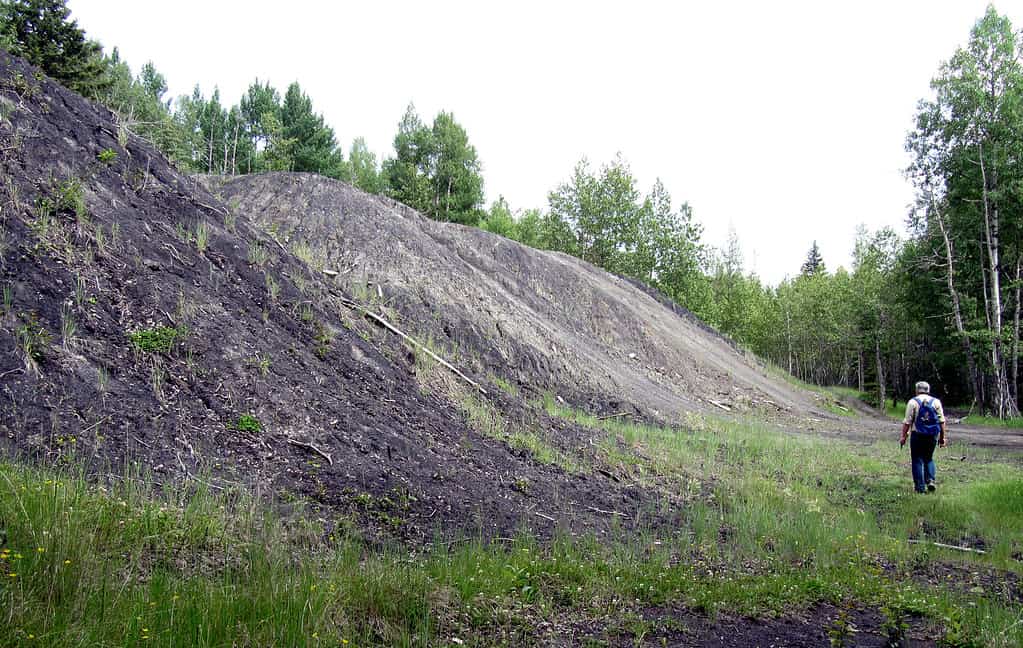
(898, 410)
(1015, 422)
(773, 522)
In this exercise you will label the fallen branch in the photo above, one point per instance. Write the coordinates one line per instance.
(12, 371)
(721, 405)
(611, 416)
(380, 320)
(597, 510)
(948, 546)
(95, 425)
(279, 244)
(309, 446)
(219, 210)
(546, 517)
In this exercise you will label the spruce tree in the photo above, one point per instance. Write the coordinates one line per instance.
(39, 31)
(814, 263)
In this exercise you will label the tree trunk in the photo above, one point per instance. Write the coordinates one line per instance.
(234, 151)
(788, 336)
(1015, 339)
(880, 371)
(859, 371)
(1005, 406)
(957, 316)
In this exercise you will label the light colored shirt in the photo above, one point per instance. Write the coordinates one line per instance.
(912, 407)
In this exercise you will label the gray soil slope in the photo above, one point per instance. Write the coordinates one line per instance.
(540, 319)
(102, 240)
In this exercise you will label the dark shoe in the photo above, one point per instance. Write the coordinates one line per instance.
(931, 486)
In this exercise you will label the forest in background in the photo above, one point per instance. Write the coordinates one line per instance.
(940, 302)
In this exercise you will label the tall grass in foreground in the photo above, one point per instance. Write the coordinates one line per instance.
(773, 522)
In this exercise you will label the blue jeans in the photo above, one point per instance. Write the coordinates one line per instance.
(921, 449)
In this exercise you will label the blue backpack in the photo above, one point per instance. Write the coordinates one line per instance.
(927, 422)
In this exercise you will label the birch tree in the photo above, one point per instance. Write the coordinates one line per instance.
(966, 147)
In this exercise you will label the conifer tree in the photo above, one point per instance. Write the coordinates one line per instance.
(814, 263)
(39, 31)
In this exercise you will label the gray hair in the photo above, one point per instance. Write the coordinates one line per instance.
(923, 387)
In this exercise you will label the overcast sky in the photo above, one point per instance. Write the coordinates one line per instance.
(784, 120)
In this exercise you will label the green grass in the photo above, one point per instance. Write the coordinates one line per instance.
(248, 423)
(159, 339)
(1015, 422)
(486, 419)
(772, 522)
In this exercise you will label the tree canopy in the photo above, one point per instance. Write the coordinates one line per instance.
(41, 32)
(435, 169)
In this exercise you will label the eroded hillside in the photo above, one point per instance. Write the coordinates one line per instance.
(541, 320)
(144, 324)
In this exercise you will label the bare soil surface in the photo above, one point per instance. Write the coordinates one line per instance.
(808, 629)
(542, 320)
(873, 424)
(343, 421)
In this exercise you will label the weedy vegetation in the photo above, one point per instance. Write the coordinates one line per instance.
(259, 256)
(248, 423)
(779, 523)
(159, 339)
(201, 236)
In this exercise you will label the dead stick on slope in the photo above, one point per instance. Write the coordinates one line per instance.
(95, 425)
(309, 446)
(611, 416)
(597, 510)
(279, 244)
(948, 546)
(414, 343)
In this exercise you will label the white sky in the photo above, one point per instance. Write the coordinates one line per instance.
(785, 120)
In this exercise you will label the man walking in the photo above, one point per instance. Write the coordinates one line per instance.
(924, 413)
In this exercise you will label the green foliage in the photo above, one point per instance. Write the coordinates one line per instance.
(435, 170)
(363, 169)
(142, 109)
(32, 336)
(964, 150)
(248, 423)
(323, 337)
(107, 156)
(159, 339)
(500, 220)
(601, 218)
(315, 147)
(39, 31)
